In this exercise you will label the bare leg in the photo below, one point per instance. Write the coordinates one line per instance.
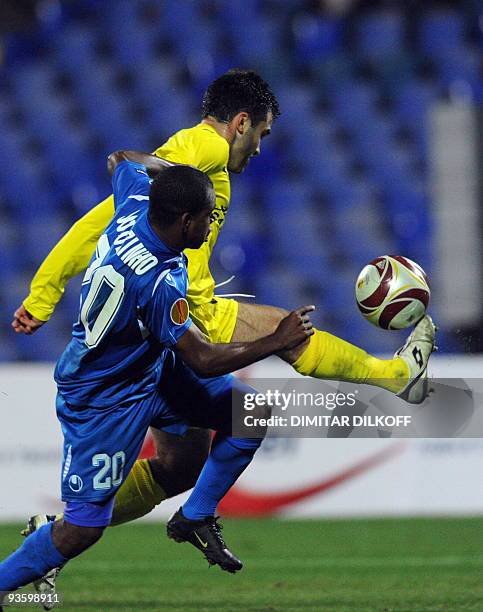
(325, 356)
(257, 320)
(70, 540)
(179, 460)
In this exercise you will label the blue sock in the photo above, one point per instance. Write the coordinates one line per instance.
(227, 460)
(32, 560)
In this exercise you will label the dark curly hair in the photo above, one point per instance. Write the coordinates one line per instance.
(236, 91)
(176, 190)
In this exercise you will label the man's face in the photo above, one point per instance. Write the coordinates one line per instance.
(200, 225)
(247, 142)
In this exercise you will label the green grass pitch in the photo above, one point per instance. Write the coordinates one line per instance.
(403, 565)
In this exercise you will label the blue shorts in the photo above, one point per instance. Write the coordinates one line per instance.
(102, 444)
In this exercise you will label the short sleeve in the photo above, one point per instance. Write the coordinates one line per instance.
(167, 311)
(200, 147)
(130, 180)
(203, 148)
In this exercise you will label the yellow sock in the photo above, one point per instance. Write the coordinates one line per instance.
(138, 495)
(330, 357)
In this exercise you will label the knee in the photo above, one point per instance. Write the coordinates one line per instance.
(71, 540)
(176, 469)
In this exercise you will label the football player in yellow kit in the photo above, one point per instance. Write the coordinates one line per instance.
(237, 114)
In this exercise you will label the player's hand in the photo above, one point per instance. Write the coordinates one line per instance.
(24, 322)
(295, 328)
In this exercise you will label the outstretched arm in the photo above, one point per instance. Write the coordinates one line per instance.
(69, 257)
(73, 252)
(208, 359)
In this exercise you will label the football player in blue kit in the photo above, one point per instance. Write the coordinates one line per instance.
(135, 360)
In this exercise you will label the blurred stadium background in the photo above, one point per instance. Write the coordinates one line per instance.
(376, 151)
(379, 149)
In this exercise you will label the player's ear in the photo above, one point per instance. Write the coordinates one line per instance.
(242, 122)
(186, 219)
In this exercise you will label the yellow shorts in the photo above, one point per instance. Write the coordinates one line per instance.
(216, 319)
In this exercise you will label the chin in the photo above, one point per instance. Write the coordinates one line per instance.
(239, 169)
(236, 170)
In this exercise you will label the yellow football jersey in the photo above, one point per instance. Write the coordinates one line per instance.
(205, 149)
(200, 146)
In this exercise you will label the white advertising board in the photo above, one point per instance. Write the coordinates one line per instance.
(289, 477)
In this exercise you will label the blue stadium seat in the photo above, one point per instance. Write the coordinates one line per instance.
(329, 173)
(354, 104)
(32, 83)
(287, 196)
(202, 42)
(180, 18)
(348, 198)
(353, 245)
(132, 46)
(316, 37)
(380, 34)
(412, 103)
(243, 233)
(311, 264)
(256, 43)
(230, 13)
(292, 231)
(132, 40)
(47, 119)
(310, 143)
(40, 233)
(95, 88)
(266, 168)
(244, 215)
(9, 240)
(156, 79)
(279, 287)
(338, 298)
(300, 97)
(297, 241)
(75, 48)
(14, 291)
(168, 108)
(441, 32)
(379, 131)
(23, 177)
(408, 217)
(461, 69)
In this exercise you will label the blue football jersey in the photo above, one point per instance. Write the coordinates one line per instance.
(133, 305)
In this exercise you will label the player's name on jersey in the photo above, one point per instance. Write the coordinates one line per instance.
(130, 249)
